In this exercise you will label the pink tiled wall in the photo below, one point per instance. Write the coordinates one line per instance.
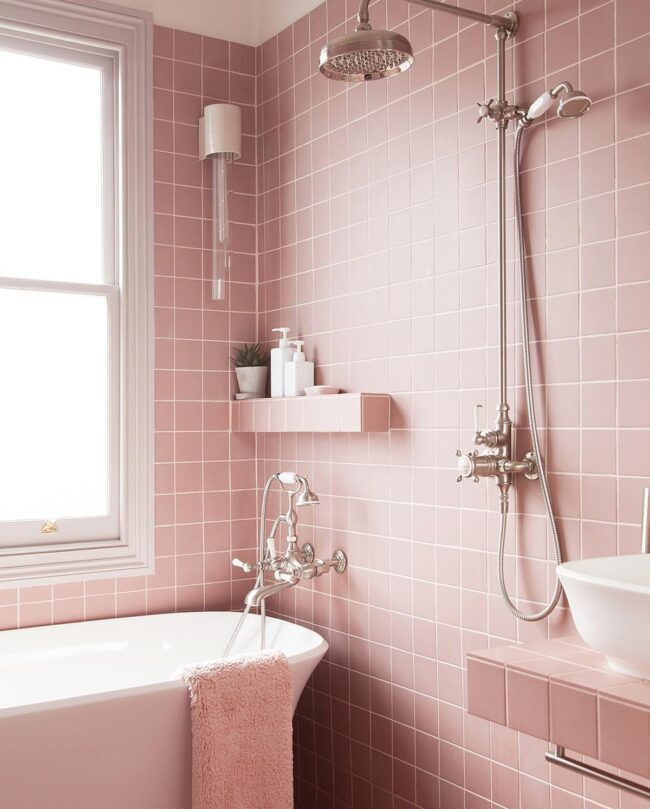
(205, 503)
(377, 239)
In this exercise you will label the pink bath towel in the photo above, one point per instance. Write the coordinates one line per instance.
(242, 754)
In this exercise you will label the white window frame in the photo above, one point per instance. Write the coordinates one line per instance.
(119, 42)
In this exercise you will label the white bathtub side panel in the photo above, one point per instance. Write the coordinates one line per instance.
(131, 752)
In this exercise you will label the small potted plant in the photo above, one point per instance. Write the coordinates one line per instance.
(251, 364)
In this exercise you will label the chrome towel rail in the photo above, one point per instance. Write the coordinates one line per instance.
(557, 756)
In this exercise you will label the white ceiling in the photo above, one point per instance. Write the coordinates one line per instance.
(250, 22)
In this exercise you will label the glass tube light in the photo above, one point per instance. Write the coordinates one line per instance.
(220, 226)
(220, 142)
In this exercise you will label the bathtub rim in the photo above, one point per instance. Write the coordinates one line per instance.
(318, 652)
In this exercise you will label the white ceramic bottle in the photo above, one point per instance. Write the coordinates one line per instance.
(280, 356)
(298, 374)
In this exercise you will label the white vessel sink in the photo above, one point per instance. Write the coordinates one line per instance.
(610, 602)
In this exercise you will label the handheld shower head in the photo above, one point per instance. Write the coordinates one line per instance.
(572, 103)
(365, 54)
(307, 497)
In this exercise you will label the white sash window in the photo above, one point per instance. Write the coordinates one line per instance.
(76, 468)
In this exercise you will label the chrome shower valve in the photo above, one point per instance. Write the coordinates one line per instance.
(476, 465)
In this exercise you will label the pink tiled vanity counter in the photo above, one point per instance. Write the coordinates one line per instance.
(565, 693)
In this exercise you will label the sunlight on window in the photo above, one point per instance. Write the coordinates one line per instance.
(54, 408)
(51, 169)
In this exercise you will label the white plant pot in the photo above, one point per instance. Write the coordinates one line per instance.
(252, 380)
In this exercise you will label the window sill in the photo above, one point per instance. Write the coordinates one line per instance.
(54, 565)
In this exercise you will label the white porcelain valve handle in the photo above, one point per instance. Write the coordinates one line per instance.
(478, 418)
(247, 567)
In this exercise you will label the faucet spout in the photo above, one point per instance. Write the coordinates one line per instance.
(257, 595)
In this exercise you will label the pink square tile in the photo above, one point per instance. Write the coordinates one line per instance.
(599, 218)
(636, 693)
(632, 300)
(187, 47)
(630, 20)
(632, 63)
(486, 690)
(9, 617)
(505, 786)
(574, 718)
(163, 41)
(632, 399)
(624, 735)
(598, 311)
(36, 614)
(375, 415)
(527, 703)
(633, 164)
(634, 355)
(597, 31)
(634, 210)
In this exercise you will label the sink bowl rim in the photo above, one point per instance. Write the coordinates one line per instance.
(576, 570)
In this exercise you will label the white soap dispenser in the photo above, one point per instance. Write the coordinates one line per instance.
(298, 374)
(280, 356)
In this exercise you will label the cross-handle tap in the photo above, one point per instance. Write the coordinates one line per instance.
(499, 111)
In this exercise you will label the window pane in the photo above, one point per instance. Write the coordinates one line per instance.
(51, 169)
(54, 405)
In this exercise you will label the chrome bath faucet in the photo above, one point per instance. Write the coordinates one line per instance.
(297, 563)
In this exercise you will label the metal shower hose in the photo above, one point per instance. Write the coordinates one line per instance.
(532, 418)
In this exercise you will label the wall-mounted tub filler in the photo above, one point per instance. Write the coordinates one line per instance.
(297, 563)
(365, 55)
(220, 141)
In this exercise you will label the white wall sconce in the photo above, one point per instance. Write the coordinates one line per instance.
(220, 141)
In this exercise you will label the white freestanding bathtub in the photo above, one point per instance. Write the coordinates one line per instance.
(94, 716)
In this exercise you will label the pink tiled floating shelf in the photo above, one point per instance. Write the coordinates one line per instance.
(343, 413)
(561, 691)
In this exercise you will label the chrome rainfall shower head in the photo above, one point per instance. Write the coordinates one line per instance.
(572, 103)
(366, 54)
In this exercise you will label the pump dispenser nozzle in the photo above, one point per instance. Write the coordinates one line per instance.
(298, 354)
(298, 374)
(284, 340)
